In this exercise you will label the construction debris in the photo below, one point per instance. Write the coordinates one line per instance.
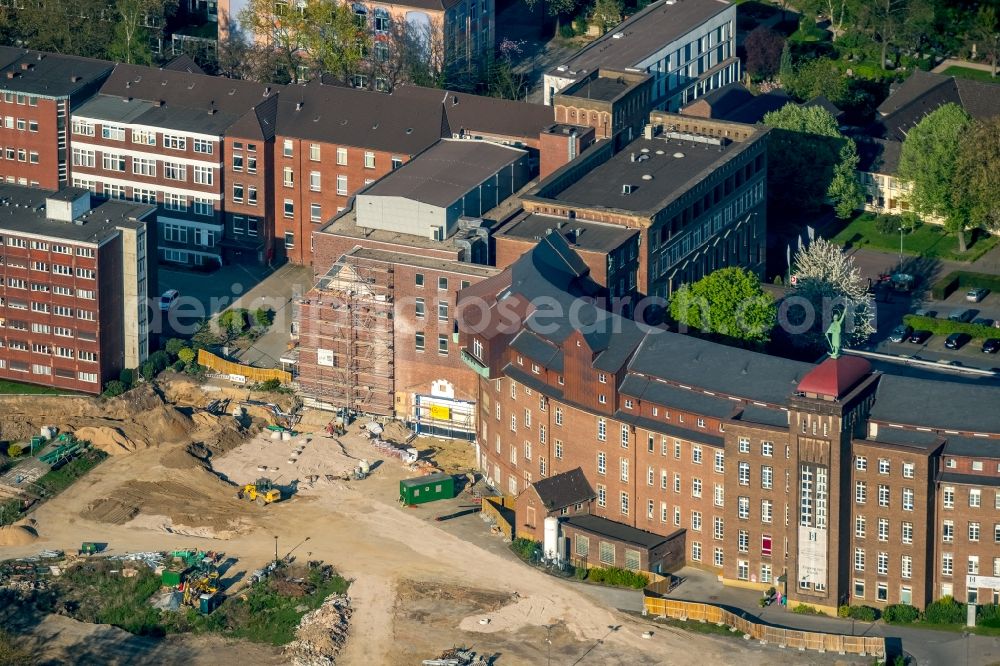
(460, 657)
(321, 633)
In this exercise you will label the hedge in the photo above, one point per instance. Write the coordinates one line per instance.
(988, 615)
(945, 611)
(863, 613)
(947, 285)
(901, 614)
(947, 327)
(618, 577)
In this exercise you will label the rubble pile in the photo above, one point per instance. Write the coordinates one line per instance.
(321, 633)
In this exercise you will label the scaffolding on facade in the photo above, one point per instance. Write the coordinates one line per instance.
(346, 334)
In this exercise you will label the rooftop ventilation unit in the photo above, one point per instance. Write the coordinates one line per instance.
(628, 189)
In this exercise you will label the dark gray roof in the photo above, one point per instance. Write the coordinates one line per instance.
(671, 175)
(22, 210)
(913, 438)
(822, 102)
(878, 155)
(538, 349)
(937, 404)
(564, 489)
(698, 435)
(619, 532)
(184, 63)
(970, 479)
(972, 446)
(580, 234)
(764, 416)
(924, 92)
(726, 370)
(687, 400)
(48, 74)
(600, 88)
(641, 35)
(532, 381)
(445, 172)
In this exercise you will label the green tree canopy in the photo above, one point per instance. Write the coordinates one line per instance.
(977, 175)
(928, 161)
(728, 302)
(809, 160)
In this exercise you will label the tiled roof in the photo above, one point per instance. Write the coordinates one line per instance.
(562, 490)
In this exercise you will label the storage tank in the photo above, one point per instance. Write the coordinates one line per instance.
(550, 544)
(48, 432)
(286, 436)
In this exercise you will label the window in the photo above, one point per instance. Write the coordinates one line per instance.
(558, 449)
(948, 497)
(177, 202)
(112, 132)
(696, 520)
(973, 565)
(315, 213)
(314, 152)
(907, 499)
(342, 185)
(202, 206)
(695, 487)
(442, 284)
(908, 469)
(883, 495)
(623, 468)
(719, 495)
(289, 240)
(237, 193)
(602, 430)
(418, 307)
(342, 156)
(677, 482)
(744, 443)
(419, 341)
(203, 175)
(237, 161)
(973, 532)
(948, 531)
(859, 559)
(767, 449)
(883, 529)
(624, 503)
(287, 148)
(883, 466)
(882, 591)
(203, 146)
(172, 171)
(83, 128)
(947, 564)
(252, 195)
(602, 462)
(744, 474)
(766, 477)
(396, 162)
(174, 142)
(720, 461)
(289, 208)
(718, 528)
(743, 508)
(766, 511)
(860, 492)
(369, 160)
(906, 566)
(418, 280)
(625, 433)
(112, 162)
(696, 551)
(859, 527)
(83, 157)
(696, 454)
(907, 533)
(743, 541)
(442, 310)
(975, 498)
(860, 463)
(602, 495)
(677, 448)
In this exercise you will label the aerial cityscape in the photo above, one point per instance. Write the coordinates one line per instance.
(484, 333)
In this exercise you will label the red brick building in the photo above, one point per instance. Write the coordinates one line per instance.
(821, 480)
(74, 285)
(38, 91)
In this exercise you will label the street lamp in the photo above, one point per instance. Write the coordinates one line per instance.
(900, 247)
(276, 549)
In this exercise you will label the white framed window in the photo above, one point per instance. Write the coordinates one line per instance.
(112, 162)
(174, 142)
(315, 213)
(203, 146)
(204, 175)
(203, 206)
(84, 157)
(176, 202)
(83, 128)
(112, 132)
(369, 159)
(720, 461)
(859, 526)
(860, 463)
(144, 137)
(342, 185)
(342, 156)
(314, 181)
(767, 449)
(173, 171)
(602, 462)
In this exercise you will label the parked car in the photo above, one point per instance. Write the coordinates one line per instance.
(983, 321)
(169, 297)
(957, 340)
(976, 294)
(900, 333)
(963, 315)
(920, 337)
(991, 345)
(924, 312)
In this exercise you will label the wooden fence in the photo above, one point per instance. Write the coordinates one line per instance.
(500, 512)
(234, 370)
(787, 638)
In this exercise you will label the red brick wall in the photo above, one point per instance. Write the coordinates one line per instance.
(263, 180)
(44, 142)
(554, 148)
(330, 247)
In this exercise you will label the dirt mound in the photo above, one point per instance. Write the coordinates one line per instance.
(110, 440)
(17, 535)
(396, 432)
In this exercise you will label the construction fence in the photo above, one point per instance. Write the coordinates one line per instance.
(239, 372)
(787, 638)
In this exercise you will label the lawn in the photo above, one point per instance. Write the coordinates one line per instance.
(58, 480)
(928, 240)
(969, 73)
(17, 388)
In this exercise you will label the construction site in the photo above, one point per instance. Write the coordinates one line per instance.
(425, 581)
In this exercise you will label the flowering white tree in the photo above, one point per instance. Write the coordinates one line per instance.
(827, 281)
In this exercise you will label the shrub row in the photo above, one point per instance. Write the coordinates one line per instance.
(947, 327)
(947, 285)
(863, 613)
(618, 577)
(901, 614)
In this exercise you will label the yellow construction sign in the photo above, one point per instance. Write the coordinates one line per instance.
(440, 412)
(234, 370)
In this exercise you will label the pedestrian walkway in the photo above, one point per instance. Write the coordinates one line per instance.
(953, 62)
(927, 648)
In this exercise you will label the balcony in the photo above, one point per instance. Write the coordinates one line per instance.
(476, 365)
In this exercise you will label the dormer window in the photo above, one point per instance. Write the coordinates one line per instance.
(603, 378)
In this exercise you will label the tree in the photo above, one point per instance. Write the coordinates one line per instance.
(130, 43)
(818, 76)
(927, 161)
(240, 57)
(504, 81)
(728, 302)
(186, 355)
(827, 279)
(607, 14)
(985, 33)
(881, 20)
(764, 52)
(333, 38)
(114, 388)
(809, 160)
(284, 28)
(78, 27)
(785, 69)
(977, 175)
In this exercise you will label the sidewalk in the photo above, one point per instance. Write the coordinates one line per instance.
(927, 648)
(952, 62)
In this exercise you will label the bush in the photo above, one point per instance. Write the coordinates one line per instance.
(947, 327)
(900, 614)
(147, 371)
(945, 611)
(270, 385)
(862, 613)
(160, 360)
(186, 355)
(525, 548)
(14, 450)
(580, 24)
(581, 573)
(127, 377)
(233, 321)
(196, 370)
(805, 609)
(114, 388)
(887, 224)
(566, 31)
(179, 365)
(262, 317)
(844, 611)
(618, 577)
(174, 345)
(944, 287)
(988, 615)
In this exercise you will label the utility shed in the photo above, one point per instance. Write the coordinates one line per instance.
(429, 488)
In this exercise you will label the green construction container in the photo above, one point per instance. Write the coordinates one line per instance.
(171, 578)
(428, 488)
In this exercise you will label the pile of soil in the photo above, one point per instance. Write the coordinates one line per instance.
(17, 535)
(397, 433)
(321, 633)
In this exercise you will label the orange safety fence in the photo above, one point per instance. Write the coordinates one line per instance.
(233, 370)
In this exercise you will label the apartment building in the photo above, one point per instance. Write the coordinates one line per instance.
(74, 287)
(158, 137)
(821, 480)
(38, 91)
(694, 188)
(687, 47)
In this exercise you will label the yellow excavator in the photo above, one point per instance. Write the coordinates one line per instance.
(262, 491)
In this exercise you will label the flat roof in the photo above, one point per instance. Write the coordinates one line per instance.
(445, 172)
(601, 88)
(673, 165)
(580, 234)
(346, 224)
(617, 531)
(918, 439)
(641, 35)
(432, 263)
(48, 74)
(22, 211)
(943, 405)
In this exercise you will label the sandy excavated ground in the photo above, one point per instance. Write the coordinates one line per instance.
(417, 589)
